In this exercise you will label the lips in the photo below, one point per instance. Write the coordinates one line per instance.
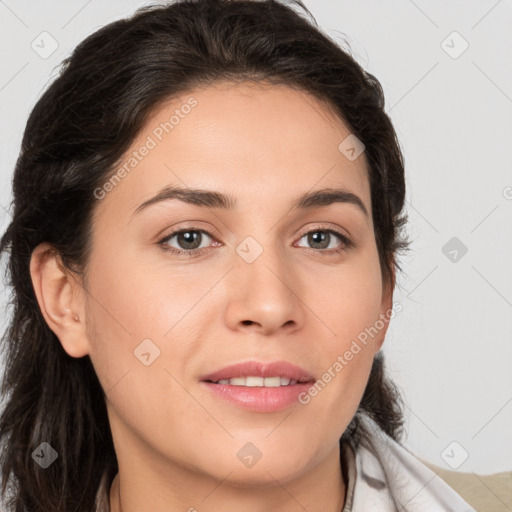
(259, 397)
(259, 369)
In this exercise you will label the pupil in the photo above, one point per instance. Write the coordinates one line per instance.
(318, 237)
(189, 237)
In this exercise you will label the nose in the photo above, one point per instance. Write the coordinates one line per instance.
(265, 295)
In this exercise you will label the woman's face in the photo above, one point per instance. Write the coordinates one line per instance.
(269, 282)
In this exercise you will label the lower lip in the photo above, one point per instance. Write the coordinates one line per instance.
(259, 399)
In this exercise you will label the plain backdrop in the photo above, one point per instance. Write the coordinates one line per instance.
(446, 70)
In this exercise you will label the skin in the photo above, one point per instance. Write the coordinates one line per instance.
(176, 443)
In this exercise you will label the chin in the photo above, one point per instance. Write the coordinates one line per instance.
(263, 473)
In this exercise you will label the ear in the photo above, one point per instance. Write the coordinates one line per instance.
(61, 299)
(385, 311)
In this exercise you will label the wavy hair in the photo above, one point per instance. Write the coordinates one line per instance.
(75, 136)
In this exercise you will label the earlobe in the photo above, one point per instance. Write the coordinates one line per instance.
(59, 302)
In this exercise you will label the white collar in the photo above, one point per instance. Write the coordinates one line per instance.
(384, 476)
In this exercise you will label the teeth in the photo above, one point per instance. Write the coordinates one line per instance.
(252, 381)
(237, 381)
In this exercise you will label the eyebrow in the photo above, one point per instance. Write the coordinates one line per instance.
(213, 199)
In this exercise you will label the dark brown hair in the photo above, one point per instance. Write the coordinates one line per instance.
(75, 136)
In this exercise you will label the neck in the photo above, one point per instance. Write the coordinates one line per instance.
(322, 489)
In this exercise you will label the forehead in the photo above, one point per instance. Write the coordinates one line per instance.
(261, 141)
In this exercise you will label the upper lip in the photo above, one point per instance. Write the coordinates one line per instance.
(260, 369)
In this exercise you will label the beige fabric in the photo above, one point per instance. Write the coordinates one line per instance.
(487, 493)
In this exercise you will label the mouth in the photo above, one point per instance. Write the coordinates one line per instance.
(256, 381)
(259, 387)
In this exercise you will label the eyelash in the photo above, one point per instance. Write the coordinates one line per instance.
(346, 242)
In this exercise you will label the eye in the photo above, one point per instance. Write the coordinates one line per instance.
(322, 239)
(188, 240)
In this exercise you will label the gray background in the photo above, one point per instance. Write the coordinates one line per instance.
(450, 348)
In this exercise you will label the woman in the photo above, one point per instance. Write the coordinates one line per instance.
(208, 209)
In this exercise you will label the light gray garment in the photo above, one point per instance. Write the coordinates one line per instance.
(383, 476)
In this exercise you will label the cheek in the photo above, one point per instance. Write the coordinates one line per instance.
(133, 359)
(349, 307)
(347, 299)
(119, 317)
(141, 314)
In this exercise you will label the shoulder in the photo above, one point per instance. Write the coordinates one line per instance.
(390, 477)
